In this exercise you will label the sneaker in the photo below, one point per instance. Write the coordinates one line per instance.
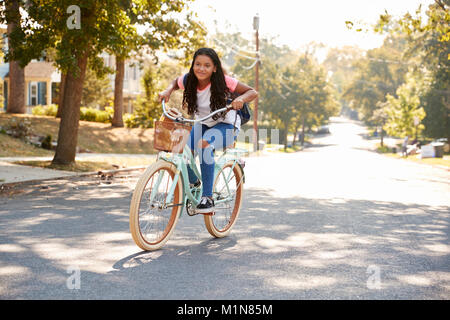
(206, 206)
(197, 184)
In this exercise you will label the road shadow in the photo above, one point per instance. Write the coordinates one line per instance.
(280, 248)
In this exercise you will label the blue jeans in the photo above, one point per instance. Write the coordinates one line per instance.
(217, 137)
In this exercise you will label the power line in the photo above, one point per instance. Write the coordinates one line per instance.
(236, 49)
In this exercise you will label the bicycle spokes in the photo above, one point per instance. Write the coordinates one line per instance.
(156, 208)
(224, 193)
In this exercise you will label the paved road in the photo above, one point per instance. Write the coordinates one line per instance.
(334, 221)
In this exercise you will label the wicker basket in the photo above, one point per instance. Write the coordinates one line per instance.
(170, 136)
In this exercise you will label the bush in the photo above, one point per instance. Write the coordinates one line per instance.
(49, 110)
(129, 120)
(133, 120)
(94, 115)
(47, 142)
(385, 149)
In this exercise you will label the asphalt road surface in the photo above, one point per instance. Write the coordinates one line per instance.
(333, 221)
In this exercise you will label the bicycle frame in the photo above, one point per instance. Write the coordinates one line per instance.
(181, 160)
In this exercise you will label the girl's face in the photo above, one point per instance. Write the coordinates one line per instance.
(203, 67)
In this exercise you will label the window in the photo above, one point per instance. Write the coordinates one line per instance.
(33, 93)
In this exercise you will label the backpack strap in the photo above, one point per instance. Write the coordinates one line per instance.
(185, 80)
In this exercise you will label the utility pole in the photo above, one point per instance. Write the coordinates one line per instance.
(255, 113)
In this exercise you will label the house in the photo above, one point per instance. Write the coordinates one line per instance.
(41, 84)
(41, 80)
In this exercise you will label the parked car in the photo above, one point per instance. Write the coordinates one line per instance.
(323, 130)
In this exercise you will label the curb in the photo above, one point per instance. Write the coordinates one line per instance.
(9, 185)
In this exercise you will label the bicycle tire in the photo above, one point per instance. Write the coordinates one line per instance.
(138, 221)
(214, 225)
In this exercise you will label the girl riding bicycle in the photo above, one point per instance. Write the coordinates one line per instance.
(206, 89)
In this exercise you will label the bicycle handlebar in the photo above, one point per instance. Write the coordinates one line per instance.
(182, 119)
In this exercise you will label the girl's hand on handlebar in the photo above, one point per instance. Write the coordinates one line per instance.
(237, 103)
(164, 95)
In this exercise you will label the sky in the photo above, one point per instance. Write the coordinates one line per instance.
(299, 22)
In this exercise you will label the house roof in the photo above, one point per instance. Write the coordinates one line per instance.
(38, 69)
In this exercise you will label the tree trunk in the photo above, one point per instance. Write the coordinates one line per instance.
(117, 120)
(16, 97)
(61, 95)
(303, 133)
(70, 115)
(285, 135)
(295, 136)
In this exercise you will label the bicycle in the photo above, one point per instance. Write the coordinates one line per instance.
(163, 191)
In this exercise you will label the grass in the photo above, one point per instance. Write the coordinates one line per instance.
(79, 166)
(92, 165)
(292, 149)
(92, 136)
(445, 161)
(12, 147)
(387, 151)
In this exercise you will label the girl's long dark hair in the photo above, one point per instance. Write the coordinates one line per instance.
(219, 89)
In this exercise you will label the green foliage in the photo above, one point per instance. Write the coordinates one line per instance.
(106, 25)
(403, 111)
(130, 120)
(437, 21)
(147, 108)
(384, 149)
(86, 113)
(379, 73)
(428, 38)
(47, 142)
(95, 115)
(293, 88)
(97, 91)
(48, 110)
(341, 67)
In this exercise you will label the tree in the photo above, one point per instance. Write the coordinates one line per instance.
(163, 31)
(12, 17)
(404, 111)
(314, 95)
(379, 73)
(380, 117)
(78, 34)
(428, 38)
(294, 91)
(97, 90)
(148, 108)
(340, 64)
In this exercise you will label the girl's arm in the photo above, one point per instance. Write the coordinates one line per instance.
(246, 94)
(166, 93)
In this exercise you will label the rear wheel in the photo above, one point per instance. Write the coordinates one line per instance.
(153, 216)
(227, 195)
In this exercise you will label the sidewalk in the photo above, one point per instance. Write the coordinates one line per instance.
(11, 173)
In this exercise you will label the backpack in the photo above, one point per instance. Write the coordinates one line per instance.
(244, 113)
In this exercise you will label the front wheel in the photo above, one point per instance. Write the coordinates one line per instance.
(227, 195)
(153, 213)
